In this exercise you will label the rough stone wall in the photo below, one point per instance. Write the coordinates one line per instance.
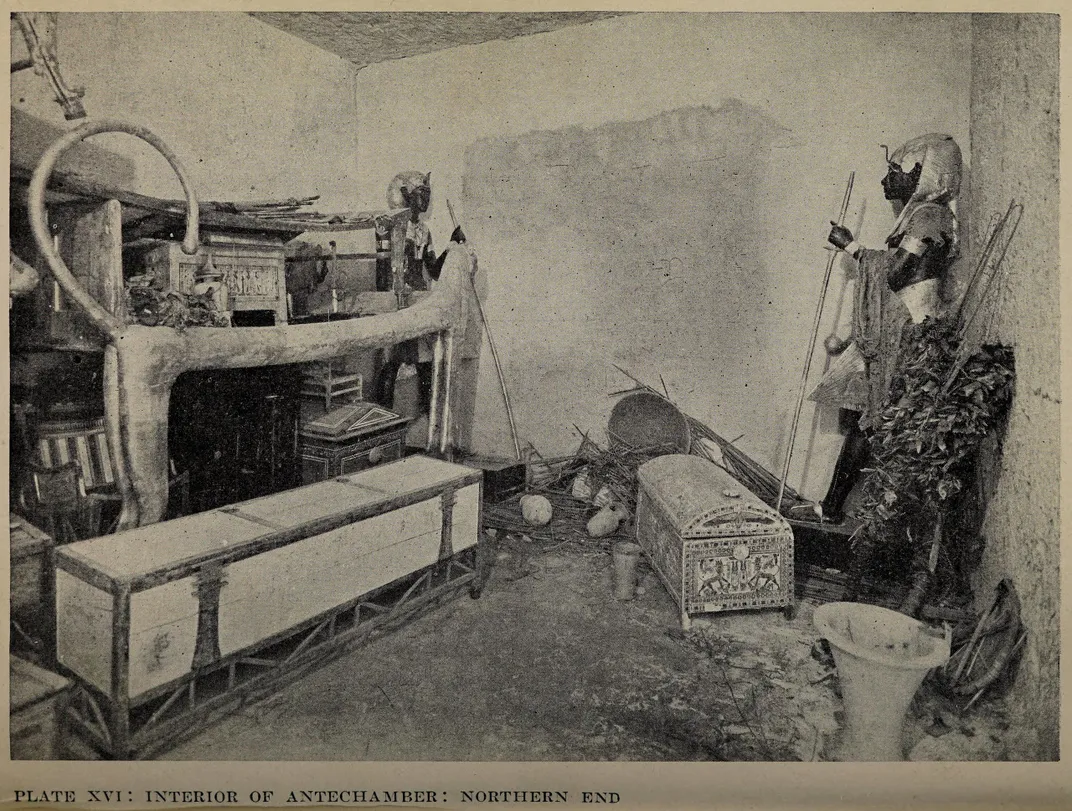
(1014, 155)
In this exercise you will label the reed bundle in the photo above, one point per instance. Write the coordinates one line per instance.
(733, 460)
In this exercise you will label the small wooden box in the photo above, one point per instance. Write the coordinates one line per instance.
(349, 439)
(38, 700)
(253, 267)
(32, 605)
(715, 544)
(503, 478)
(178, 620)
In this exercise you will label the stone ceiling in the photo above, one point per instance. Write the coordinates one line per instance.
(365, 38)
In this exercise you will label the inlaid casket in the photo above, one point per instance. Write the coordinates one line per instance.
(713, 542)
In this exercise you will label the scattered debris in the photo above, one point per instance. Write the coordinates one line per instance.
(607, 480)
(980, 660)
(739, 686)
(296, 209)
(582, 488)
(264, 208)
(820, 652)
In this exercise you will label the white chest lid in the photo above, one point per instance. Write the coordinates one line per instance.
(702, 500)
(152, 548)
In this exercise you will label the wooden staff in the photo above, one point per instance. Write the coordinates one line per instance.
(494, 355)
(1014, 213)
(811, 349)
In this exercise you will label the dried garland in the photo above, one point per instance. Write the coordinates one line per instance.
(170, 308)
(926, 437)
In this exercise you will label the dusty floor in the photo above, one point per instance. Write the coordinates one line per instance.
(548, 666)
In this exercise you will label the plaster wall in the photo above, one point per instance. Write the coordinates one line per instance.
(1015, 147)
(252, 112)
(575, 256)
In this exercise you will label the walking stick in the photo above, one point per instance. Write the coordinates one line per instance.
(811, 349)
(494, 355)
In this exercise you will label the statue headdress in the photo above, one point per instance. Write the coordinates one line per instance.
(405, 182)
(939, 181)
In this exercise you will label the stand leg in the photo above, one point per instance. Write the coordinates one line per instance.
(445, 441)
(482, 557)
(437, 379)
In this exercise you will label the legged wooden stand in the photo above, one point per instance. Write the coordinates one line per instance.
(158, 720)
(446, 444)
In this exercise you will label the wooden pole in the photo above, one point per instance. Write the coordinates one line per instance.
(437, 379)
(811, 349)
(963, 353)
(499, 373)
(494, 356)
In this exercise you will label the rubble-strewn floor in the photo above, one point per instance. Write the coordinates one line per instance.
(548, 666)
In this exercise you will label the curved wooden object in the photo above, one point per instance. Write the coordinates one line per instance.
(142, 363)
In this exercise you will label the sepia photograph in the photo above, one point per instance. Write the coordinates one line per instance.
(573, 386)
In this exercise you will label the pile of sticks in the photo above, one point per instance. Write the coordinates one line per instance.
(568, 519)
(975, 299)
(610, 472)
(616, 468)
(744, 468)
(613, 470)
(290, 209)
(734, 461)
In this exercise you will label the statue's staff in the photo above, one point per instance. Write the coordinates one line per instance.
(494, 353)
(811, 349)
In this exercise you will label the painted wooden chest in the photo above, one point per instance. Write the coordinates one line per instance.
(175, 622)
(253, 268)
(714, 543)
(349, 439)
